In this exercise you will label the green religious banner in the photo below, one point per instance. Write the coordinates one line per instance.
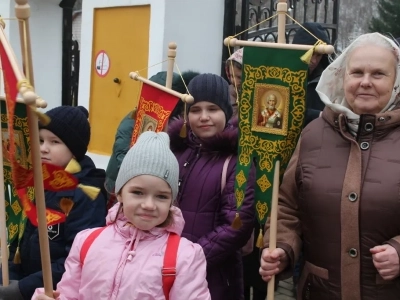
(271, 116)
(15, 217)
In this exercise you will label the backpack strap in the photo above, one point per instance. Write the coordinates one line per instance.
(224, 172)
(88, 242)
(169, 269)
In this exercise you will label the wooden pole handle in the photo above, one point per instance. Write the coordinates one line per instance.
(184, 97)
(170, 70)
(321, 49)
(22, 12)
(281, 9)
(171, 62)
(273, 225)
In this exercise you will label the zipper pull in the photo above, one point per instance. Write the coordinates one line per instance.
(186, 163)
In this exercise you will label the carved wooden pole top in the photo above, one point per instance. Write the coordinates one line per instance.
(22, 9)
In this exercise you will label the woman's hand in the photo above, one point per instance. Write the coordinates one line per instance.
(272, 263)
(44, 297)
(386, 261)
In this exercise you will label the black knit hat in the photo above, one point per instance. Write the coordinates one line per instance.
(212, 88)
(304, 38)
(71, 125)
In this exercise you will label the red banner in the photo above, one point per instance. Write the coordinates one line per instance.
(52, 216)
(11, 90)
(155, 107)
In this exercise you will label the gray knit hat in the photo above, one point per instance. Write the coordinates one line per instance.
(150, 156)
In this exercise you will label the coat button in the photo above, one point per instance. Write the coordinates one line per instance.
(364, 146)
(353, 197)
(368, 127)
(353, 252)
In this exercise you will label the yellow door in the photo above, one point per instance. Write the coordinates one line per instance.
(120, 46)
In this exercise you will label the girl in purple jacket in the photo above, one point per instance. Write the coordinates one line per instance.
(207, 209)
(125, 260)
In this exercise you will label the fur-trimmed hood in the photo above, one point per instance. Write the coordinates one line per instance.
(225, 142)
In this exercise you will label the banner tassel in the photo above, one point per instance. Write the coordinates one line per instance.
(134, 114)
(17, 257)
(259, 243)
(237, 223)
(91, 191)
(306, 57)
(43, 118)
(183, 132)
(66, 205)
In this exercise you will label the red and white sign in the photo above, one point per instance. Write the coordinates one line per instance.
(102, 63)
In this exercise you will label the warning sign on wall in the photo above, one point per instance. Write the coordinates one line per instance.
(102, 64)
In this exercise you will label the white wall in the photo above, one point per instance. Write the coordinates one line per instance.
(46, 40)
(46, 32)
(197, 28)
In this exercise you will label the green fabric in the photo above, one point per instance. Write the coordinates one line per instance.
(15, 219)
(268, 71)
(120, 148)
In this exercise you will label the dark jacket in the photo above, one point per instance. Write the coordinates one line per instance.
(85, 213)
(208, 213)
(120, 148)
(340, 195)
(314, 105)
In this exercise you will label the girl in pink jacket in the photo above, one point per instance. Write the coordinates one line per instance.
(125, 260)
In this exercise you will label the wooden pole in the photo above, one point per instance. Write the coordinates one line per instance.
(170, 70)
(22, 12)
(273, 225)
(3, 224)
(39, 102)
(322, 49)
(184, 97)
(171, 62)
(281, 10)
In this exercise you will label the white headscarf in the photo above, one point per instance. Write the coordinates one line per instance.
(330, 86)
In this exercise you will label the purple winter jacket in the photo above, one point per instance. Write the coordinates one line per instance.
(208, 213)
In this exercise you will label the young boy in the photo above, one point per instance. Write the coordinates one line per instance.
(63, 142)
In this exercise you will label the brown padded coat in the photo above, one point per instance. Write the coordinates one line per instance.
(340, 197)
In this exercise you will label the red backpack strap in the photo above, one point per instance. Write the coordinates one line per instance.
(88, 242)
(169, 269)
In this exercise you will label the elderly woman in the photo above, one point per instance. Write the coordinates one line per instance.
(341, 191)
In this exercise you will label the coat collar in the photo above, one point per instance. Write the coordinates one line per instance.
(382, 123)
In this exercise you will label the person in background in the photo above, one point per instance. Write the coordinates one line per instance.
(339, 197)
(319, 62)
(125, 129)
(233, 69)
(63, 143)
